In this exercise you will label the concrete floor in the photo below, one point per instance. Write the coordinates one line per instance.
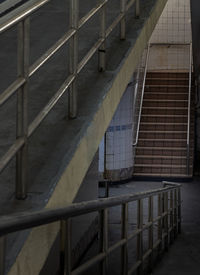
(183, 256)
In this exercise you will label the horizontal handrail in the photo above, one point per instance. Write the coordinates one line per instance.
(27, 220)
(142, 96)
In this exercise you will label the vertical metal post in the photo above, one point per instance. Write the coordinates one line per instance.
(160, 223)
(171, 217)
(73, 57)
(140, 236)
(150, 233)
(179, 210)
(123, 21)
(22, 108)
(102, 48)
(2, 255)
(137, 8)
(175, 213)
(65, 247)
(104, 239)
(166, 220)
(124, 255)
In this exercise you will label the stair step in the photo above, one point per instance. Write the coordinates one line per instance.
(163, 126)
(165, 140)
(163, 132)
(168, 75)
(164, 96)
(149, 115)
(164, 175)
(161, 166)
(161, 148)
(164, 110)
(164, 118)
(161, 160)
(161, 170)
(167, 81)
(166, 86)
(164, 157)
(165, 103)
(166, 89)
(162, 143)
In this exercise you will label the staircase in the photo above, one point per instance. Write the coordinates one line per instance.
(162, 144)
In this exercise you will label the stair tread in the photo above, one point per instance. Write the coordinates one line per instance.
(163, 131)
(163, 123)
(167, 139)
(161, 148)
(163, 175)
(165, 108)
(146, 115)
(161, 165)
(163, 78)
(167, 85)
(159, 156)
(165, 100)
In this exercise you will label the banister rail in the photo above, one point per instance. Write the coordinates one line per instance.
(20, 85)
(142, 96)
(189, 111)
(169, 204)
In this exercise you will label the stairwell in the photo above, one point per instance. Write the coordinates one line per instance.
(162, 145)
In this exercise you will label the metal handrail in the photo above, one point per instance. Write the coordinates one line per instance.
(170, 191)
(189, 112)
(21, 18)
(29, 219)
(142, 96)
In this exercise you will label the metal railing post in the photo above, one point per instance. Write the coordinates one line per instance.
(102, 34)
(166, 220)
(22, 108)
(150, 231)
(65, 247)
(124, 255)
(137, 8)
(179, 210)
(171, 217)
(104, 240)
(160, 223)
(73, 57)
(175, 213)
(123, 21)
(140, 236)
(2, 254)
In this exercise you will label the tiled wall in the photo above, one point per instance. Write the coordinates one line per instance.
(119, 139)
(174, 26)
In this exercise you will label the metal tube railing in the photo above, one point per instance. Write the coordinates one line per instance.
(189, 112)
(27, 220)
(142, 96)
(25, 71)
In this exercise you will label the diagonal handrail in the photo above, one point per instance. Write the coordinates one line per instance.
(142, 96)
(189, 112)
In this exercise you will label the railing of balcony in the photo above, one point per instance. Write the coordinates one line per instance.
(162, 226)
(25, 71)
